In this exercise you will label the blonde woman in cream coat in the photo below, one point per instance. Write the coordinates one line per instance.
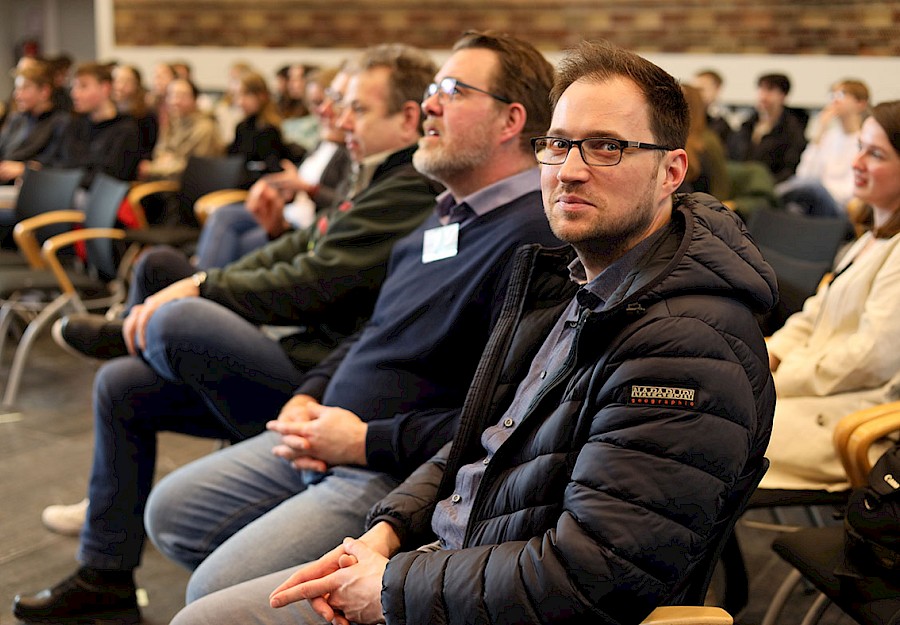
(841, 353)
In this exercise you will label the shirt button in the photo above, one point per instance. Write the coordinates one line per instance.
(543, 374)
(456, 498)
(508, 422)
(486, 461)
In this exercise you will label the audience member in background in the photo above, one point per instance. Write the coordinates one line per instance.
(301, 127)
(188, 132)
(293, 104)
(577, 489)
(99, 138)
(707, 171)
(773, 136)
(258, 136)
(823, 184)
(227, 110)
(182, 70)
(280, 202)
(131, 99)
(35, 129)
(279, 91)
(709, 83)
(841, 353)
(163, 74)
(60, 67)
(206, 369)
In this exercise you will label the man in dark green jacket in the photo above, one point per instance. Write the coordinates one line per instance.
(199, 363)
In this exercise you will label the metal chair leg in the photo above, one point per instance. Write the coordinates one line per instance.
(47, 315)
(814, 614)
(781, 596)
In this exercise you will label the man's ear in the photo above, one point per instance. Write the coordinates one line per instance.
(513, 122)
(673, 170)
(412, 117)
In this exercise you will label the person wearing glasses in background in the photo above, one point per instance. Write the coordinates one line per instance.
(622, 402)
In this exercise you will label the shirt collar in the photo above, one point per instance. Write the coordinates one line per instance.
(493, 196)
(596, 293)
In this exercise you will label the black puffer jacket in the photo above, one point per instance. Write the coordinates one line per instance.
(600, 502)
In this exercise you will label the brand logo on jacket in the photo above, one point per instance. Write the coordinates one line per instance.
(662, 395)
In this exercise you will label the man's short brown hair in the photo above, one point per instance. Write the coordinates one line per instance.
(600, 61)
(524, 76)
(101, 71)
(412, 70)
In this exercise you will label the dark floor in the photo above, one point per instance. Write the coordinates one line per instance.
(45, 454)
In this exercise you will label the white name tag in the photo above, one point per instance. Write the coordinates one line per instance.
(440, 243)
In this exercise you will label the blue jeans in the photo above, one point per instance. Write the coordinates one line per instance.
(242, 513)
(248, 603)
(228, 234)
(205, 372)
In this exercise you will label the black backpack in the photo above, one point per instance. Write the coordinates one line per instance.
(872, 521)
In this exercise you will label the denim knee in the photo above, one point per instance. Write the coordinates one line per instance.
(162, 524)
(113, 386)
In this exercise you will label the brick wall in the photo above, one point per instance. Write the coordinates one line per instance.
(846, 27)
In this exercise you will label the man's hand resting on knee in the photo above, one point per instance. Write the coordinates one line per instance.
(134, 329)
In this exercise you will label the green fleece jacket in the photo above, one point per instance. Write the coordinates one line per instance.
(326, 278)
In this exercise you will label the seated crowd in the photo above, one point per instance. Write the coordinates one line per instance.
(482, 336)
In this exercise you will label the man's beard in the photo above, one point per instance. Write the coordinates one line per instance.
(607, 237)
(439, 164)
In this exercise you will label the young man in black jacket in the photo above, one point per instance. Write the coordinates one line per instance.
(622, 403)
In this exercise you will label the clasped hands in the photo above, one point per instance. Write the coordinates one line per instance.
(344, 585)
(315, 437)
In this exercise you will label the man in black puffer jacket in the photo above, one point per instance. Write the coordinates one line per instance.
(622, 403)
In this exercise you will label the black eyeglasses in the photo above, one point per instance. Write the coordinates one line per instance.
(595, 151)
(448, 88)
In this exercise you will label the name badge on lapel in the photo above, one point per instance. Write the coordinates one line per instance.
(440, 243)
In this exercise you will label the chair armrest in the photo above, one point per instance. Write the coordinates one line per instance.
(24, 236)
(855, 456)
(214, 200)
(688, 615)
(55, 243)
(845, 430)
(141, 190)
